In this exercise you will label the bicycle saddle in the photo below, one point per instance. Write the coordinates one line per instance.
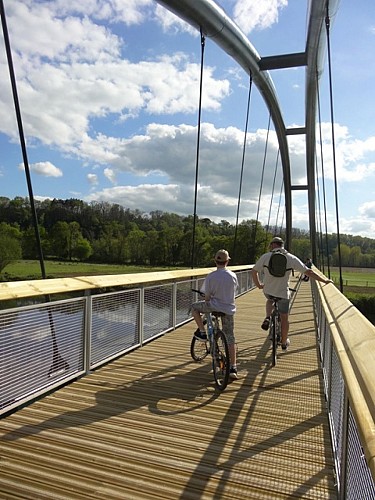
(218, 314)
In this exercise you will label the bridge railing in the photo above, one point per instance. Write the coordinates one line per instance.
(48, 337)
(347, 349)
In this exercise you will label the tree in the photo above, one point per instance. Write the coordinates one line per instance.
(82, 250)
(10, 246)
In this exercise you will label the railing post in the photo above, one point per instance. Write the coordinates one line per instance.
(344, 449)
(87, 329)
(141, 314)
(174, 305)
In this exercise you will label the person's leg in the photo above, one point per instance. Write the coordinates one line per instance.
(197, 309)
(228, 330)
(198, 319)
(284, 327)
(283, 306)
(232, 355)
(266, 321)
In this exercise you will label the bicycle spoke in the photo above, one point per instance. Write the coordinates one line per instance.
(220, 360)
(198, 349)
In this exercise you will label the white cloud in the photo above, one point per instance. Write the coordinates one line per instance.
(92, 179)
(250, 15)
(368, 210)
(45, 168)
(171, 22)
(110, 175)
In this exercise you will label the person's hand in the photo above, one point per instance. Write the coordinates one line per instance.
(328, 281)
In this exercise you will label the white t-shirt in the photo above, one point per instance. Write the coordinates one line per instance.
(221, 285)
(278, 287)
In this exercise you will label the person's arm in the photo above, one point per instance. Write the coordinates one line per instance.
(313, 275)
(255, 276)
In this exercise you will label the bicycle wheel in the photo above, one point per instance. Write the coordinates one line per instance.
(199, 349)
(273, 331)
(220, 360)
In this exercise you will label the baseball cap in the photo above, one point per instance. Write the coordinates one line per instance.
(278, 240)
(222, 256)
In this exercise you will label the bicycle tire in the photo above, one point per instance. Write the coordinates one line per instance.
(220, 360)
(273, 331)
(198, 349)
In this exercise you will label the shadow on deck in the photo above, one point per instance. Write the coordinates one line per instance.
(151, 425)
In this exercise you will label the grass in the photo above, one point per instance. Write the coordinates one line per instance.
(30, 269)
(361, 277)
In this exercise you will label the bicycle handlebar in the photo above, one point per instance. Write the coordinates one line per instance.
(198, 291)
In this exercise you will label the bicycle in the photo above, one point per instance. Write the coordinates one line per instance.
(216, 345)
(275, 326)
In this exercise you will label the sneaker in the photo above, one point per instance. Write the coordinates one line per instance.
(233, 373)
(266, 324)
(285, 346)
(200, 335)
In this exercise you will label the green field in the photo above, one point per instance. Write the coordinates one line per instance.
(30, 269)
(353, 277)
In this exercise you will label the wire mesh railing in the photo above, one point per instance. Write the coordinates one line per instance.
(43, 346)
(350, 413)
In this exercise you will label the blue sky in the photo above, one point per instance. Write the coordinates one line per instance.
(109, 94)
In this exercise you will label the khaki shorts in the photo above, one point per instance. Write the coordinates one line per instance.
(283, 304)
(227, 320)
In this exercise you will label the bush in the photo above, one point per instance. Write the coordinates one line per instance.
(364, 303)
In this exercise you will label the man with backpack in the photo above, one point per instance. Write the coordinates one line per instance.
(276, 267)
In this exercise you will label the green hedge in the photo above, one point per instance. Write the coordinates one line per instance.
(364, 303)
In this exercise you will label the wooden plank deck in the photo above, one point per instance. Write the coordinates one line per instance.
(151, 425)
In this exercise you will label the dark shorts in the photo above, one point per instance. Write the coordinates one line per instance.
(227, 320)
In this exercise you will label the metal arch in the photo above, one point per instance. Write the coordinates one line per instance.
(315, 50)
(217, 25)
(207, 16)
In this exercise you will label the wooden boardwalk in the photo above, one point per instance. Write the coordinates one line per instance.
(151, 425)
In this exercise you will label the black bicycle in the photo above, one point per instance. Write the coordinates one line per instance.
(275, 326)
(216, 345)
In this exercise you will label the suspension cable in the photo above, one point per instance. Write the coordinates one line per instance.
(22, 137)
(242, 167)
(333, 145)
(271, 202)
(323, 184)
(261, 184)
(58, 362)
(278, 208)
(198, 148)
(319, 217)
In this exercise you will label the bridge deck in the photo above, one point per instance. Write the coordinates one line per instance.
(151, 425)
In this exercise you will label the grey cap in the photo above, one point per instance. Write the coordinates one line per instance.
(277, 240)
(222, 256)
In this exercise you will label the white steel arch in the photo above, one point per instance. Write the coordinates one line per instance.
(209, 17)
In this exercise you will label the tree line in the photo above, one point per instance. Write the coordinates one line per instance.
(109, 233)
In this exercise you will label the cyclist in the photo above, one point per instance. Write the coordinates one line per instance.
(279, 286)
(219, 290)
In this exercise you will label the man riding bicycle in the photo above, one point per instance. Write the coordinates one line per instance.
(219, 290)
(273, 286)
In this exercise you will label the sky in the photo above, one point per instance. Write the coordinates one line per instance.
(109, 99)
